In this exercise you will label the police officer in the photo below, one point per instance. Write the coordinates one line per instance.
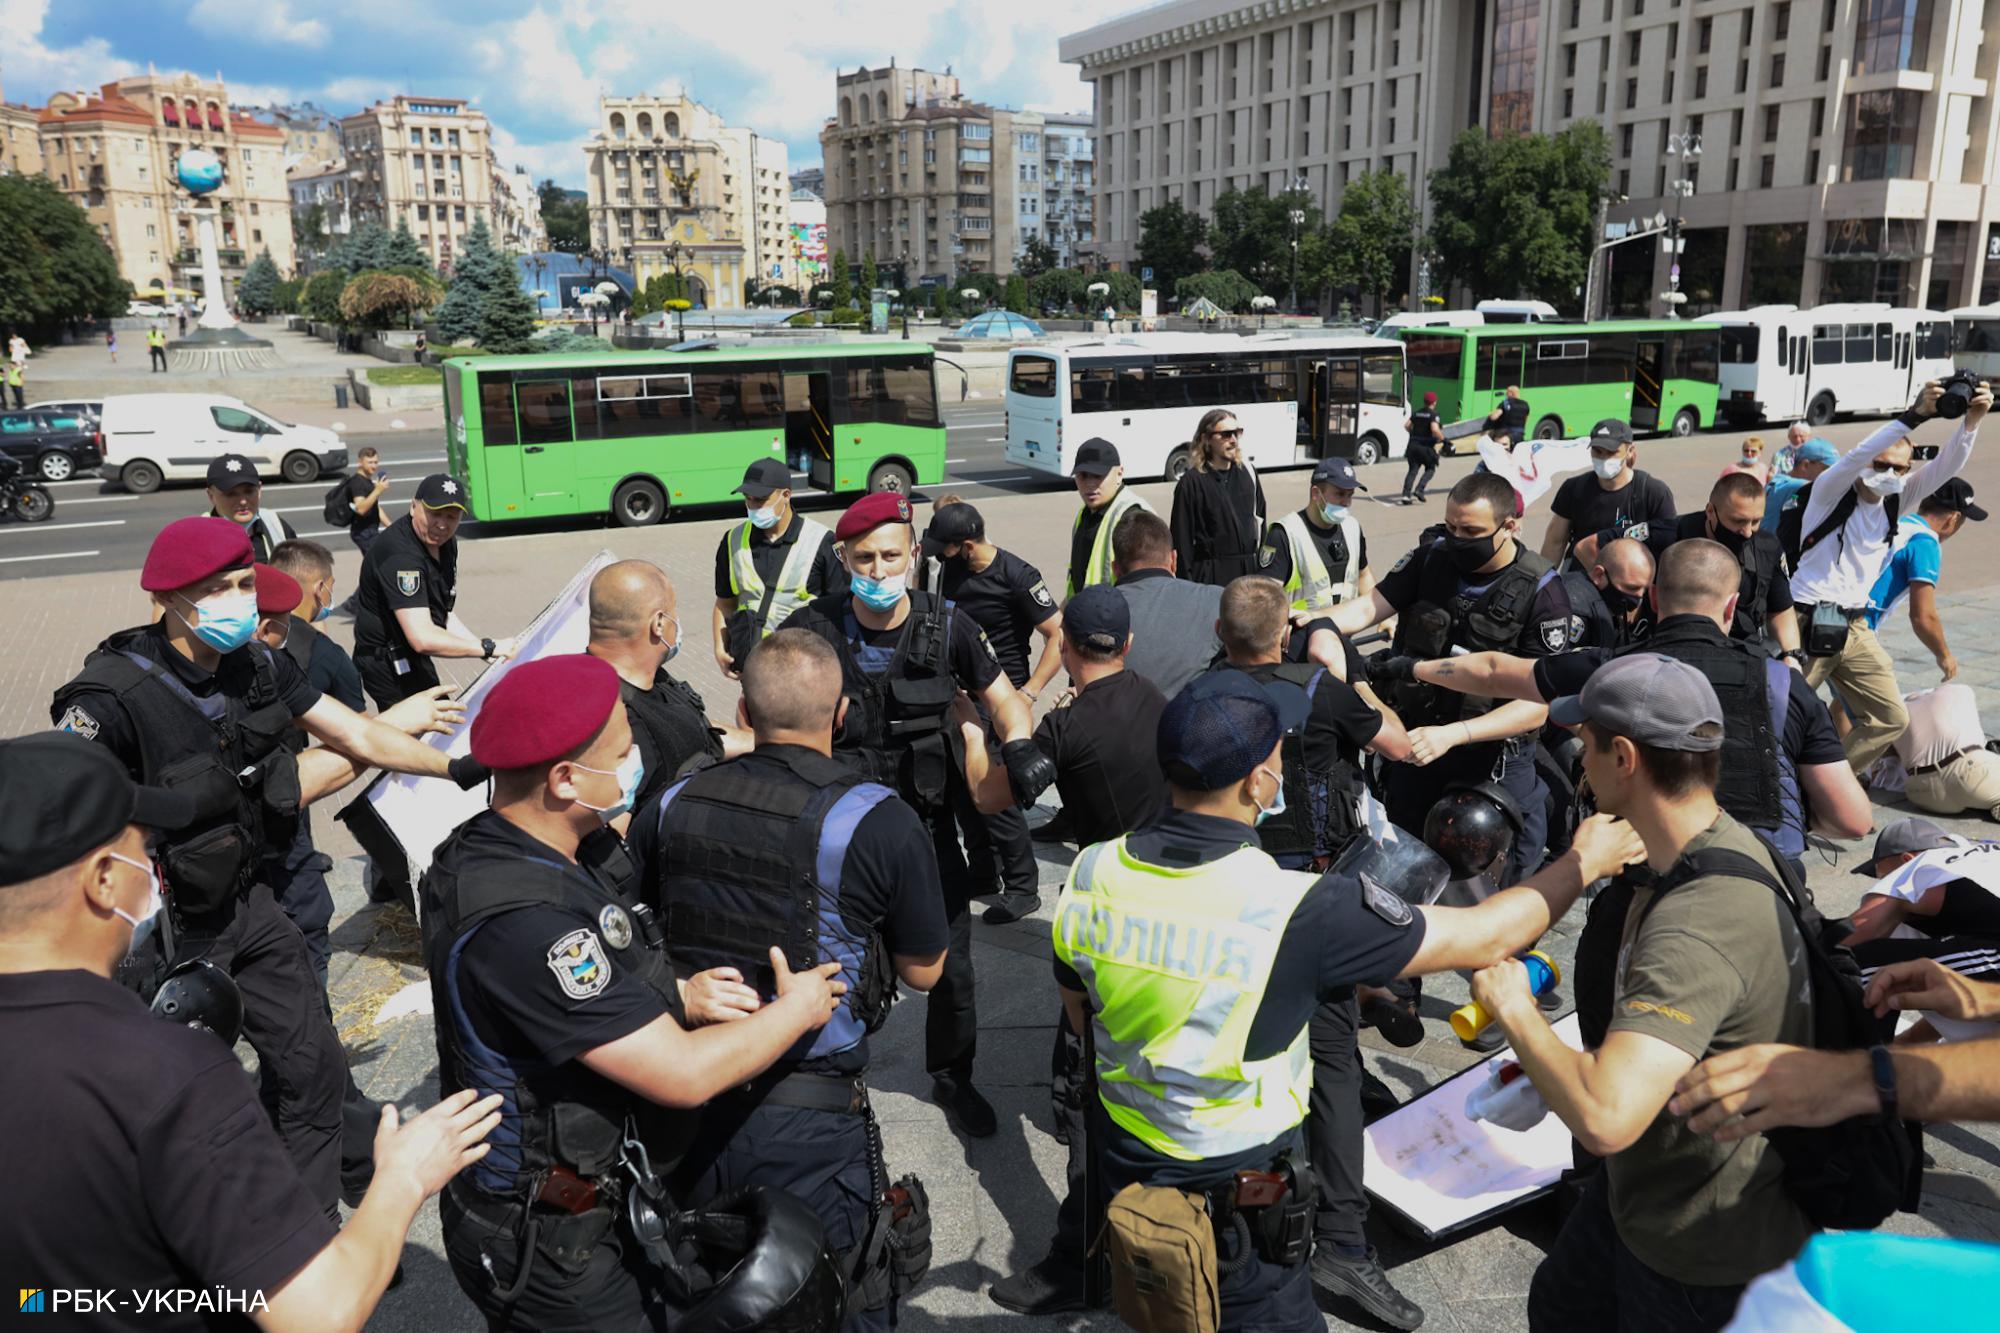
(236, 492)
(144, 1163)
(1606, 593)
(633, 627)
(1319, 553)
(1007, 598)
(1203, 1067)
(1100, 483)
(1475, 587)
(552, 989)
(769, 565)
(409, 586)
(904, 656)
(721, 857)
(191, 696)
(1510, 415)
(156, 349)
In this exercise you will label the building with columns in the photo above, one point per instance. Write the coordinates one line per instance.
(1846, 144)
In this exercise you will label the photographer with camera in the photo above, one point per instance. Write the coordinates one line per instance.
(1857, 503)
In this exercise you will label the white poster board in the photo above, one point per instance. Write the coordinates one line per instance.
(1443, 1170)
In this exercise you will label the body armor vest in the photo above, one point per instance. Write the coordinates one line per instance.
(1430, 628)
(1320, 814)
(899, 696)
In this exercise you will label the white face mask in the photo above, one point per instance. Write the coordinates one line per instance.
(1885, 483)
(148, 920)
(1608, 468)
(630, 771)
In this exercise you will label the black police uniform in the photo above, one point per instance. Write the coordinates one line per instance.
(1766, 586)
(721, 857)
(1334, 941)
(535, 960)
(1521, 609)
(400, 573)
(900, 683)
(1514, 417)
(222, 736)
(1007, 599)
(670, 724)
(1591, 623)
(141, 1159)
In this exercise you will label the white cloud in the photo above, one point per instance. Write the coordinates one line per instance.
(561, 161)
(37, 69)
(266, 21)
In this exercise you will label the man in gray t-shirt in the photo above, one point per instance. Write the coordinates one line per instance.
(1173, 620)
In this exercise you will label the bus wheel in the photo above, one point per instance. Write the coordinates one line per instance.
(1370, 448)
(892, 477)
(1820, 410)
(300, 467)
(1549, 428)
(1178, 463)
(1685, 422)
(638, 504)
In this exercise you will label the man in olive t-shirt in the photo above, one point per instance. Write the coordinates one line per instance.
(1675, 1221)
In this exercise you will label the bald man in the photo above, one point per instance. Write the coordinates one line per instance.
(633, 627)
(1605, 593)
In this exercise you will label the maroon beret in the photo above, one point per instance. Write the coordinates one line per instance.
(543, 710)
(188, 550)
(278, 593)
(871, 512)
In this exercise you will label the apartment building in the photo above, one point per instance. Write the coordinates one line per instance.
(426, 161)
(1845, 146)
(20, 139)
(113, 152)
(671, 188)
(323, 185)
(1064, 161)
(517, 210)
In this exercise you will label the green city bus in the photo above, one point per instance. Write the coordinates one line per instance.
(1659, 375)
(639, 434)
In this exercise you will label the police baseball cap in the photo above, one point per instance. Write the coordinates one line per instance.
(1096, 454)
(1817, 450)
(232, 470)
(1955, 496)
(439, 491)
(62, 796)
(1905, 836)
(1610, 433)
(1099, 618)
(1337, 472)
(1654, 700)
(951, 524)
(764, 476)
(1222, 725)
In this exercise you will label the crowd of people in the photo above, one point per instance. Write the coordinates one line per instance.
(658, 953)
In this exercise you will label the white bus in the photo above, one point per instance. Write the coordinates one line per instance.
(1781, 363)
(1517, 312)
(1299, 399)
(1975, 340)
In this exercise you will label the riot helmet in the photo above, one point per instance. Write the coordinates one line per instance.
(198, 994)
(1473, 828)
(773, 1269)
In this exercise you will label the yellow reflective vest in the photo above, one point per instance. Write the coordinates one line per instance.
(1097, 569)
(1312, 585)
(747, 586)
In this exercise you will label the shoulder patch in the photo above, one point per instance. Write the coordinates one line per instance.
(578, 961)
(1576, 629)
(75, 720)
(1265, 555)
(1402, 561)
(615, 926)
(1385, 903)
(987, 644)
(408, 581)
(1555, 634)
(1637, 532)
(1040, 592)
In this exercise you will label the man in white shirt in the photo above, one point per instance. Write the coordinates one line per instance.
(1846, 536)
(1945, 756)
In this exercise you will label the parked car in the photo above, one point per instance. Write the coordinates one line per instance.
(56, 445)
(91, 412)
(152, 438)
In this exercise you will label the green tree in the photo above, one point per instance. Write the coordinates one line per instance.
(1037, 257)
(56, 266)
(287, 295)
(566, 219)
(1226, 287)
(1368, 242)
(257, 294)
(1060, 288)
(1015, 296)
(473, 273)
(1252, 233)
(320, 302)
(843, 281)
(402, 250)
(1513, 216)
(1170, 241)
(367, 247)
(378, 299)
(506, 312)
(871, 276)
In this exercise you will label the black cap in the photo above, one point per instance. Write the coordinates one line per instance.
(232, 470)
(1955, 496)
(952, 524)
(1613, 431)
(62, 796)
(1096, 454)
(1338, 472)
(1911, 836)
(1222, 725)
(1099, 618)
(764, 476)
(439, 491)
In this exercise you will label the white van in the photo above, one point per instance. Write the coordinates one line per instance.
(150, 438)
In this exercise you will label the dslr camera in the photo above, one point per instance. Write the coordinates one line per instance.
(1957, 394)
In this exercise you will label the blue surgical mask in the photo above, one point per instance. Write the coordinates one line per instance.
(674, 648)
(226, 622)
(630, 772)
(764, 518)
(324, 613)
(880, 594)
(1277, 806)
(148, 920)
(1333, 513)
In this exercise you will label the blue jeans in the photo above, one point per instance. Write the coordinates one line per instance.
(1590, 1280)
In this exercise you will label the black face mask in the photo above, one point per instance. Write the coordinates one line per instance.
(1733, 541)
(1620, 604)
(1467, 554)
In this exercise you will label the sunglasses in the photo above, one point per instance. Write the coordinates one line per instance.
(1899, 468)
(1234, 433)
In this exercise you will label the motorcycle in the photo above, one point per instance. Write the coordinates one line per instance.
(23, 499)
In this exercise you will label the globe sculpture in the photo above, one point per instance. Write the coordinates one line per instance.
(198, 171)
(216, 343)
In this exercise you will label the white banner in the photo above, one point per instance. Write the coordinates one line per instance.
(1532, 466)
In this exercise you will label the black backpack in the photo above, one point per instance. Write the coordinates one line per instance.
(1852, 1175)
(339, 511)
(1792, 520)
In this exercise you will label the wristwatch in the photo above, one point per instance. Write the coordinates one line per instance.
(486, 650)
(1796, 654)
(1884, 1070)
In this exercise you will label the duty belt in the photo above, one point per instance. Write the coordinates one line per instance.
(844, 1094)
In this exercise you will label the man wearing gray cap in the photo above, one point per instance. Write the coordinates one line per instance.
(1708, 964)
(1947, 908)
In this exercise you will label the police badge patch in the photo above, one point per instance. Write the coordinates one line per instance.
(615, 926)
(1265, 555)
(1555, 634)
(1637, 532)
(1385, 903)
(408, 581)
(579, 963)
(1040, 592)
(78, 722)
(1402, 561)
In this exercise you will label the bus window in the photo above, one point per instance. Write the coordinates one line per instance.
(1692, 356)
(1860, 344)
(583, 404)
(912, 384)
(1382, 380)
(454, 399)
(1934, 339)
(1885, 344)
(1981, 335)
(898, 393)
(1034, 376)
(1500, 365)
(1558, 362)
(1091, 388)
(634, 406)
(1826, 345)
(1434, 358)
(496, 410)
(1611, 357)
(1277, 382)
(544, 408)
(762, 397)
(1739, 345)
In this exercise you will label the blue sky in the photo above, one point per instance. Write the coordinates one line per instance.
(537, 66)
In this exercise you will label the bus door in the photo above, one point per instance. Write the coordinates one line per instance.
(1340, 419)
(809, 424)
(1499, 365)
(1648, 382)
(1312, 400)
(548, 452)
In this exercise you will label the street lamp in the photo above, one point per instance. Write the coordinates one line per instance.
(895, 294)
(1262, 305)
(1686, 147)
(1297, 217)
